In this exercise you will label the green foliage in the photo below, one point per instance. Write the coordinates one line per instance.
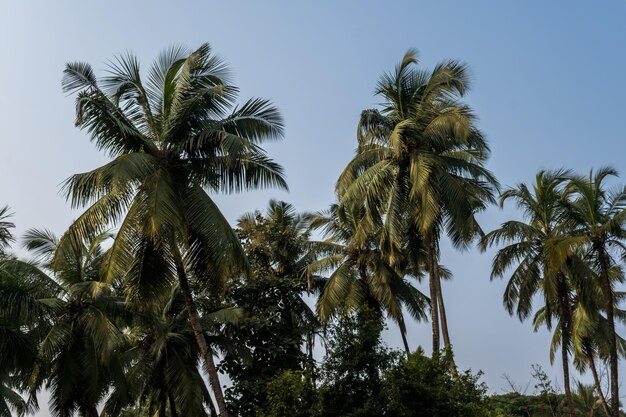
(419, 386)
(291, 394)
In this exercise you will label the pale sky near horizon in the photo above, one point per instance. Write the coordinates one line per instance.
(548, 86)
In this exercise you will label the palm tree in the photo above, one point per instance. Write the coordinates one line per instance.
(585, 401)
(26, 300)
(79, 354)
(171, 138)
(162, 358)
(539, 250)
(420, 165)
(599, 217)
(359, 274)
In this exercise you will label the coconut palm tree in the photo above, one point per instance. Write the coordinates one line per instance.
(420, 164)
(79, 354)
(359, 273)
(172, 137)
(539, 250)
(26, 299)
(162, 361)
(599, 217)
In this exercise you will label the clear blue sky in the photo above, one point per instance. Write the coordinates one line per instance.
(549, 84)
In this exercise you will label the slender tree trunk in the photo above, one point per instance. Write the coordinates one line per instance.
(610, 317)
(434, 308)
(596, 381)
(565, 361)
(402, 326)
(310, 337)
(444, 325)
(194, 318)
(443, 317)
(565, 324)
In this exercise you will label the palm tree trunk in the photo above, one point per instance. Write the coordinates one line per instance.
(442, 311)
(434, 308)
(610, 317)
(92, 412)
(565, 360)
(596, 381)
(310, 337)
(402, 326)
(194, 318)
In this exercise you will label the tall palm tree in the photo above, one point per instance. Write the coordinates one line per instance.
(172, 138)
(538, 249)
(420, 165)
(599, 217)
(359, 273)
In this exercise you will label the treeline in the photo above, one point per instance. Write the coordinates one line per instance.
(127, 323)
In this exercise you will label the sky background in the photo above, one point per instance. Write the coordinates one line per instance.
(548, 85)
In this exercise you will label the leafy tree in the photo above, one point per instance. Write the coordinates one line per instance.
(352, 370)
(277, 322)
(420, 166)
(171, 137)
(419, 386)
(291, 394)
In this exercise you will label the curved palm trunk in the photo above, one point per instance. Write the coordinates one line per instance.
(596, 381)
(194, 318)
(610, 317)
(434, 307)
